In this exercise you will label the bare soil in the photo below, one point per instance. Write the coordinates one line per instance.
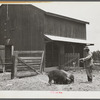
(40, 82)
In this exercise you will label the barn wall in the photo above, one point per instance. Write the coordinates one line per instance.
(24, 27)
(65, 28)
(78, 48)
(52, 54)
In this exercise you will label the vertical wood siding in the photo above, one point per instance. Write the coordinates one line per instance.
(52, 54)
(25, 26)
(65, 28)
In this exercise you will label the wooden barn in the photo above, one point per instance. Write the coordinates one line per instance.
(28, 28)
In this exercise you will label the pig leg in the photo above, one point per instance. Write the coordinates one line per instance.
(50, 81)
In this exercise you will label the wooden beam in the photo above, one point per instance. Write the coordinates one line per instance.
(78, 60)
(21, 52)
(61, 55)
(41, 62)
(14, 66)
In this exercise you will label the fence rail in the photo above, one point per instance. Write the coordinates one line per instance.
(72, 59)
(30, 60)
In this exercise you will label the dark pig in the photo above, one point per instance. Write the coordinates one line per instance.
(57, 76)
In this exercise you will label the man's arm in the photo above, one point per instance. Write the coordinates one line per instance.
(86, 58)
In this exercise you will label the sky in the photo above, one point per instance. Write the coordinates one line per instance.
(86, 11)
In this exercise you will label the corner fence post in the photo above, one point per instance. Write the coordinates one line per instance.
(42, 60)
(14, 67)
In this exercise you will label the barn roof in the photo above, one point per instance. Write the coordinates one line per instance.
(65, 17)
(60, 16)
(66, 39)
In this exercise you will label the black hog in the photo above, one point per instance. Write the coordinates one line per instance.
(70, 77)
(58, 76)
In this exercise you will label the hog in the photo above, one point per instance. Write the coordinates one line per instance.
(70, 77)
(58, 76)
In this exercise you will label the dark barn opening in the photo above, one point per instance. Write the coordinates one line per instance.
(52, 54)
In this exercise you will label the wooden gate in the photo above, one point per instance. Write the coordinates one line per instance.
(72, 59)
(29, 62)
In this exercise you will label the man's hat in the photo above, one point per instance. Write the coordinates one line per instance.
(86, 48)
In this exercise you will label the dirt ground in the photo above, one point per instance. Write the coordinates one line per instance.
(40, 82)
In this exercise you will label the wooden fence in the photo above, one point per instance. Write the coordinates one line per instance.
(72, 60)
(23, 60)
(29, 61)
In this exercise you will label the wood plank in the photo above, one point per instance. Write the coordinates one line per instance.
(27, 61)
(23, 52)
(27, 67)
(31, 61)
(30, 58)
(6, 64)
(14, 67)
(41, 62)
(21, 68)
(20, 64)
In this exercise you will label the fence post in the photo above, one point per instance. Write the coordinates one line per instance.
(3, 66)
(14, 66)
(78, 60)
(42, 60)
(61, 56)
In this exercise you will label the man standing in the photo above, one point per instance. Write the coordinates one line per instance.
(88, 63)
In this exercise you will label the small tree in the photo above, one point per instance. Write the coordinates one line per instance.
(96, 55)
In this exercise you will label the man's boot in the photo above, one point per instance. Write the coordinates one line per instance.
(89, 79)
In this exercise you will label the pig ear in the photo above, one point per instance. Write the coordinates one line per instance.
(67, 78)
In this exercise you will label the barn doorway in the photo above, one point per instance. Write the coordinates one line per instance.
(52, 54)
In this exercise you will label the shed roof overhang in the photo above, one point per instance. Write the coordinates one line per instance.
(66, 39)
(66, 18)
